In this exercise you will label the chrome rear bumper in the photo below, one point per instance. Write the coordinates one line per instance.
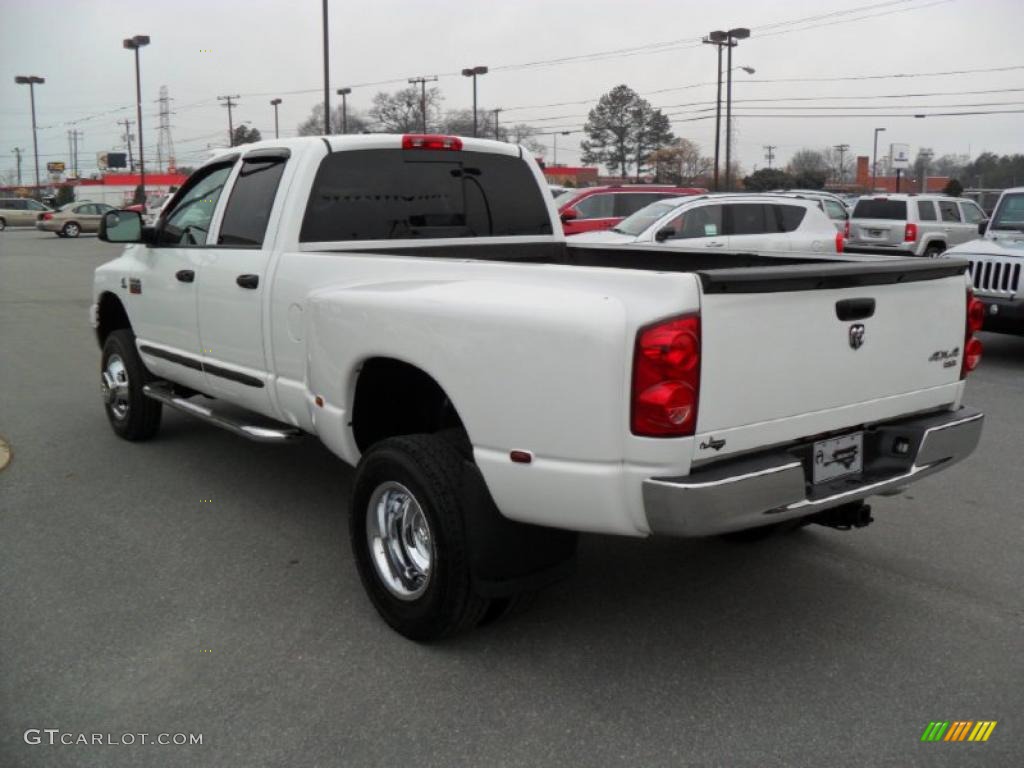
(774, 486)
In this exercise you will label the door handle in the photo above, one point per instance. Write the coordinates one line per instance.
(185, 275)
(714, 245)
(248, 281)
(855, 309)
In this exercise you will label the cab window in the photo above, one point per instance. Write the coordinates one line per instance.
(252, 198)
(948, 210)
(187, 222)
(972, 213)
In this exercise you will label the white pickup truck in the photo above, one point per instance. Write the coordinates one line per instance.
(411, 301)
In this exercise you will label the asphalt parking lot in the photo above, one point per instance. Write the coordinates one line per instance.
(200, 584)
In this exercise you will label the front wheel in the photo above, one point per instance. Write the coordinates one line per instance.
(132, 415)
(408, 537)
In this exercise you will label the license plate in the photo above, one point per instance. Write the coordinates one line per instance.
(876, 232)
(838, 457)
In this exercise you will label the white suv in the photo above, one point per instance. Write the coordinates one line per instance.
(912, 225)
(754, 223)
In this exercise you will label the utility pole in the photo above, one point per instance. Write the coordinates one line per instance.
(770, 153)
(128, 140)
(327, 79)
(71, 154)
(496, 111)
(422, 83)
(842, 149)
(229, 102)
(17, 154)
(77, 135)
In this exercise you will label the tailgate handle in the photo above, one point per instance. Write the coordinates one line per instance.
(855, 309)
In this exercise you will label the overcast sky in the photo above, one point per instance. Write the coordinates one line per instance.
(265, 48)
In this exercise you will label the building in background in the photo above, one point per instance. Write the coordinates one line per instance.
(570, 175)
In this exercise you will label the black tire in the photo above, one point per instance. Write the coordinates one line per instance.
(71, 229)
(933, 251)
(3, 224)
(60, 234)
(430, 469)
(140, 417)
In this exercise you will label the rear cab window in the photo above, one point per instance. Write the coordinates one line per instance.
(881, 208)
(390, 194)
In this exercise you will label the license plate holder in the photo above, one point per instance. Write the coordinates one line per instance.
(837, 457)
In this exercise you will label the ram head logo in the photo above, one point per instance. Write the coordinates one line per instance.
(856, 336)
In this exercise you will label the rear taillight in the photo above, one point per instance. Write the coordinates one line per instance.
(47, 216)
(839, 242)
(431, 141)
(666, 378)
(910, 233)
(972, 345)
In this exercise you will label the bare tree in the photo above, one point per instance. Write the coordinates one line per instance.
(680, 163)
(401, 112)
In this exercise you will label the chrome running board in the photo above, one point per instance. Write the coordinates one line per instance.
(278, 433)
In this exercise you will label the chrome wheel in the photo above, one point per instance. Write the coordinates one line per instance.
(114, 387)
(71, 229)
(400, 541)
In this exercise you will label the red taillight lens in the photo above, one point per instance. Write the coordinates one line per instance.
(47, 216)
(975, 314)
(910, 233)
(972, 355)
(666, 378)
(839, 242)
(972, 346)
(431, 141)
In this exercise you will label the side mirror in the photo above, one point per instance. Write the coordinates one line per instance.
(121, 227)
(982, 226)
(569, 214)
(666, 233)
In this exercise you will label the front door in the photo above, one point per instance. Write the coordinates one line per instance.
(161, 296)
(233, 288)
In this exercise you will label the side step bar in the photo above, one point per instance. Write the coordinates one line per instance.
(165, 394)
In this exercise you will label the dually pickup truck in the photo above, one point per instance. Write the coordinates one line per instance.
(411, 301)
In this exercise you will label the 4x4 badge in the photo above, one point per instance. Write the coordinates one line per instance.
(857, 335)
(714, 443)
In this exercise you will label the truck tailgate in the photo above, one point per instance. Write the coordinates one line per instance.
(781, 343)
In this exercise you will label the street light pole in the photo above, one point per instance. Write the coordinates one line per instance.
(874, 160)
(344, 92)
(473, 72)
(733, 35)
(134, 44)
(32, 81)
(717, 39)
(275, 103)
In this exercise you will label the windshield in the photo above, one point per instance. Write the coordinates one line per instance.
(640, 221)
(1010, 213)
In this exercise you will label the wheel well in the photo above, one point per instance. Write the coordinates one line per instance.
(112, 317)
(936, 244)
(395, 398)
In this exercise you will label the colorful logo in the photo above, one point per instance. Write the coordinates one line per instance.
(959, 730)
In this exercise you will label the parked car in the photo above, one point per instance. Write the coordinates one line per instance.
(500, 389)
(997, 260)
(912, 225)
(20, 212)
(73, 219)
(595, 208)
(833, 207)
(1007, 223)
(755, 223)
